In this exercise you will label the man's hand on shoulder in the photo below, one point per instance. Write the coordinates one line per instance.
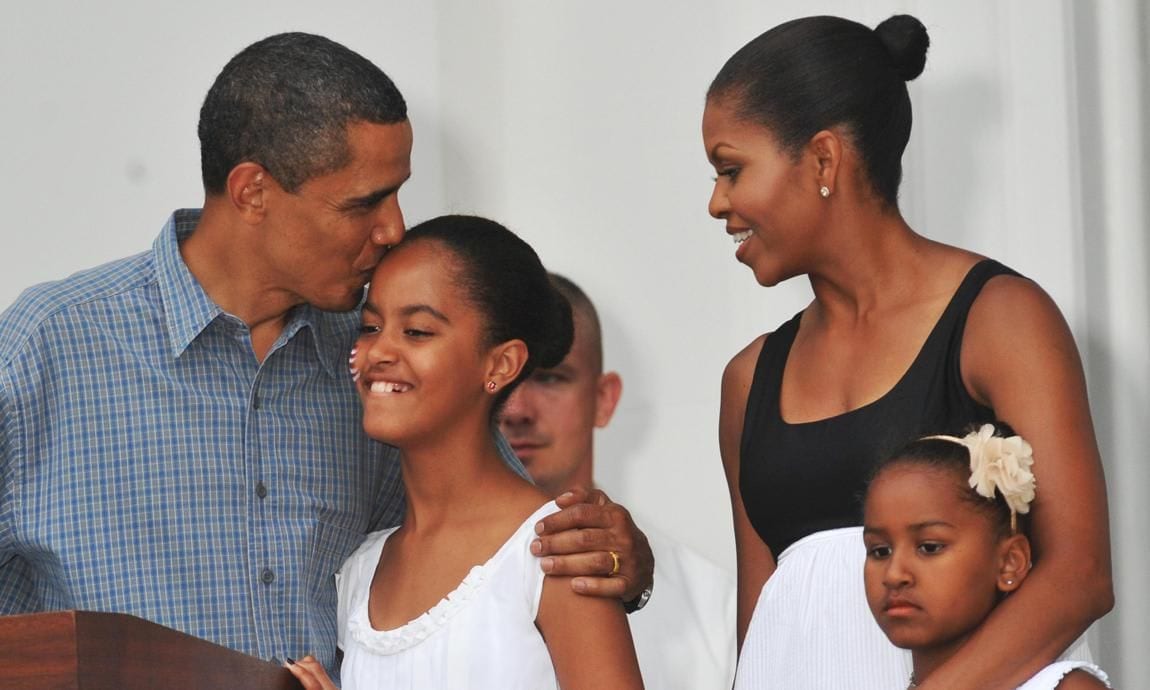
(595, 541)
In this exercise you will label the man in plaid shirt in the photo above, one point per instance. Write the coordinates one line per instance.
(179, 437)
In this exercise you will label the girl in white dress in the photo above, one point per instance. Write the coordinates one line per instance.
(456, 316)
(946, 541)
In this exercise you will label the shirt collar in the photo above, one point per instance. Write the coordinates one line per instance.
(332, 334)
(189, 310)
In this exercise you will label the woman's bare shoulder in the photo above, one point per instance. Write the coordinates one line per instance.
(1012, 293)
(737, 378)
(742, 366)
(1014, 325)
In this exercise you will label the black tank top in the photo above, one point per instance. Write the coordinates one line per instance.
(798, 479)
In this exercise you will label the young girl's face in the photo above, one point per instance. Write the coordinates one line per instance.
(933, 559)
(420, 353)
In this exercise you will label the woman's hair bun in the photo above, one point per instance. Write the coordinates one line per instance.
(905, 39)
(556, 330)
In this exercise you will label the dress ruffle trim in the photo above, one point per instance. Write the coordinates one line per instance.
(410, 634)
(1053, 674)
(418, 630)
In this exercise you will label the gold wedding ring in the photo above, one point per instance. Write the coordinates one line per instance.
(614, 564)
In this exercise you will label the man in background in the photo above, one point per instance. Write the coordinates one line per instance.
(685, 638)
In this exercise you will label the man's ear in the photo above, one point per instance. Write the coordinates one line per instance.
(247, 189)
(1013, 562)
(506, 361)
(607, 391)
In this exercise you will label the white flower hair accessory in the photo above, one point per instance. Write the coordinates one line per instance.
(1000, 463)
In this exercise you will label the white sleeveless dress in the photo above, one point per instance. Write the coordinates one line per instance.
(812, 628)
(481, 635)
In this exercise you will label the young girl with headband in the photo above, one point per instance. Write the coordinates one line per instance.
(456, 316)
(945, 531)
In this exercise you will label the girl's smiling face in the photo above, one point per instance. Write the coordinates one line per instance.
(935, 562)
(421, 354)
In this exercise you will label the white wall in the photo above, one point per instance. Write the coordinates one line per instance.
(577, 124)
(99, 105)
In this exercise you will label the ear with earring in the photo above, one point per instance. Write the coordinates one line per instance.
(1015, 563)
(1009, 582)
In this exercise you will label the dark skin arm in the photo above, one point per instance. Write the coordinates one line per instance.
(588, 639)
(576, 542)
(755, 562)
(1019, 358)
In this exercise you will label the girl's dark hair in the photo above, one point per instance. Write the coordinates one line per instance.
(948, 456)
(814, 73)
(502, 276)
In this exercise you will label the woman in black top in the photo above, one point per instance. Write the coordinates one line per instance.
(805, 127)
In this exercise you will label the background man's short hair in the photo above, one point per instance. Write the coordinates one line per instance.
(582, 304)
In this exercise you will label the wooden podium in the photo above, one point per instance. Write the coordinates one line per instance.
(83, 650)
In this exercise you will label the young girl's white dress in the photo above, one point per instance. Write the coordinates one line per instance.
(481, 635)
(1049, 677)
(813, 622)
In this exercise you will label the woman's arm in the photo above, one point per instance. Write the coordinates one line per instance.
(1019, 358)
(755, 563)
(588, 638)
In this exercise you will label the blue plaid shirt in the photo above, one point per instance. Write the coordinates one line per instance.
(149, 464)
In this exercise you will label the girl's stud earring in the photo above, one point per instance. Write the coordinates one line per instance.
(824, 191)
(1010, 582)
(491, 386)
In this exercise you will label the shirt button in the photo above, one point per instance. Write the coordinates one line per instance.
(255, 401)
(267, 576)
(261, 490)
